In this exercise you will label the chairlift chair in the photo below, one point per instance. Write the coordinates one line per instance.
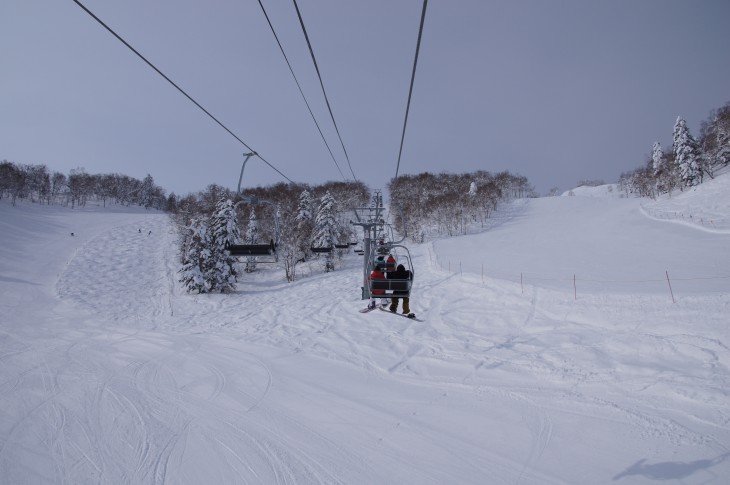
(252, 249)
(375, 232)
(391, 288)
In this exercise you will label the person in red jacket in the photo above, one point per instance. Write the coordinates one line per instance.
(378, 273)
(390, 263)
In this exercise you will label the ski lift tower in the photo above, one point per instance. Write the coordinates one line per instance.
(256, 249)
(372, 221)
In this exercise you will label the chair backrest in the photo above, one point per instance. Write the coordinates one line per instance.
(251, 249)
(391, 285)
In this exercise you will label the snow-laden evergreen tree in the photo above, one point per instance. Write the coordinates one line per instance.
(195, 258)
(662, 172)
(251, 237)
(304, 210)
(221, 272)
(656, 158)
(471, 205)
(147, 192)
(721, 128)
(715, 138)
(304, 224)
(473, 189)
(686, 151)
(325, 229)
(277, 225)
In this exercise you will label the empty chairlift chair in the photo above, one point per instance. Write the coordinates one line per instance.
(321, 249)
(252, 249)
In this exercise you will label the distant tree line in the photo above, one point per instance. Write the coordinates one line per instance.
(449, 204)
(301, 220)
(294, 217)
(688, 162)
(591, 183)
(37, 184)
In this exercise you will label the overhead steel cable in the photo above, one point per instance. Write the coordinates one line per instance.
(410, 90)
(300, 89)
(319, 75)
(77, 2)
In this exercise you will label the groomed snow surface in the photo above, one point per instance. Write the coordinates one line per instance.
(552, 352)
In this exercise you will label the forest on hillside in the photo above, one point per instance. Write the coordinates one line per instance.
(688, 162)
(313, 222)
(296, 219)
(449, 204)
(38, 184)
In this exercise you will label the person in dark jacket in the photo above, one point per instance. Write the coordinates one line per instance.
(400, 273)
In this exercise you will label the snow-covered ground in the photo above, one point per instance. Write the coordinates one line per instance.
(520, 374)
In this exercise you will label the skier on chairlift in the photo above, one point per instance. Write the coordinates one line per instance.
(401, 273)
(390, 264)
(378, 273)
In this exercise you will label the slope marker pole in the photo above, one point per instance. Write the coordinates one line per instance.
(670, 286)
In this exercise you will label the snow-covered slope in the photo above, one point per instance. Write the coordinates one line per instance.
(607, 244)
(109, 373)
(706, 206)
(606, 190)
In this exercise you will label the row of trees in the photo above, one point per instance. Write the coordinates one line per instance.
(449, 204)
(37, 184)
(295, 217)
(298, 218)
(688, 161)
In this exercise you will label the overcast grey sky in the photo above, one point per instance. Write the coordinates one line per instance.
(557, 91)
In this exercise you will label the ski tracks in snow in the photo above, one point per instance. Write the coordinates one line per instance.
(166, 407)
(123, 273)
(542, 343)
(153, 385)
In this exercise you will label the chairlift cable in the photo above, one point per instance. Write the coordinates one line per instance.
(77, 2)
(410, 90)
(300, 89)
(321, 83)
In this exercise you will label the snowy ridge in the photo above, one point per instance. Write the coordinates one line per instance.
(606, 190)
(589, 244)
(110, 373)
(706, 206)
